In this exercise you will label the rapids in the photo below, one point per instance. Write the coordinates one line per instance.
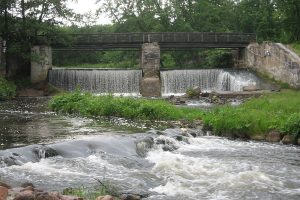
(55, 152)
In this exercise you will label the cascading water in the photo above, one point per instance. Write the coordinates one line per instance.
(178, 81)
(97, 81)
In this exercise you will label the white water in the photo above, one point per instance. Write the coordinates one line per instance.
(205, 168)
(97, 81)
(178, 81)
(216, 168)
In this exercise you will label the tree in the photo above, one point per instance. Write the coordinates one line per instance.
(289, 16)
(23, 20)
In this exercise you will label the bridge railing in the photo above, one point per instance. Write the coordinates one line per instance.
(178, 37)
(167, 37)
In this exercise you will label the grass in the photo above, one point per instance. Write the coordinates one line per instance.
(280, 111)
(92, 193)
(277, 111)
(91, 106)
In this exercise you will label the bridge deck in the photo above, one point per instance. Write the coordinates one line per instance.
(166, 40)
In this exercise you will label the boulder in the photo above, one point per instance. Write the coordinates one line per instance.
(273, 136)
(5, 185)
(47, 196)
(68, 197)
(30, 188)
(24, 185)
(197, 89)
(169, 147)
(250, 88)
(144, 145)
(106, 197)
(288, 139)
(44, 152)
(25, 195)
(130, 197)
(3, 193)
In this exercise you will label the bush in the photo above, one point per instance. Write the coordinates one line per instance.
(7, 89)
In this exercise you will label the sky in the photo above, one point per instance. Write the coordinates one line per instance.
(84, 6)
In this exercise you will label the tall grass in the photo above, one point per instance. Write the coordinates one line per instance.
(278, 111)
(88, 105)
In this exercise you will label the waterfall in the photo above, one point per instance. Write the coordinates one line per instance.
(97, 81)
(178, 81)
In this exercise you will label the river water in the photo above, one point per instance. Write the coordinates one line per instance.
(54, 152)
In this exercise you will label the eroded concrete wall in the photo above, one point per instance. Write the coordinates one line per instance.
(150, 62)
(274, 60)
(41, 62)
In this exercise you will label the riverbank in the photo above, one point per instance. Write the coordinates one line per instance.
(273, 117)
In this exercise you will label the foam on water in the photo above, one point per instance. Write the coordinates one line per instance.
(216, 168)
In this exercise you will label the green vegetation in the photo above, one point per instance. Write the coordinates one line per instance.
(296, 47)
(88, 105)
(277, 111)
(92, 193)
(7, 89)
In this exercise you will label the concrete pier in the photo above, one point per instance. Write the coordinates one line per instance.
(41, 62)
(150, 62)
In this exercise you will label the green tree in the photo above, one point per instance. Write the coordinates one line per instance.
(289, 15)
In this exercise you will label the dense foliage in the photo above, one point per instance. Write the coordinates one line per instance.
(7, 89)
(278, 111)
(22, 21)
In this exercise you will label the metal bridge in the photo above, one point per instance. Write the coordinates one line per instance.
(103, 41)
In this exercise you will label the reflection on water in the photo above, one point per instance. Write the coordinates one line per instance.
(54, 152)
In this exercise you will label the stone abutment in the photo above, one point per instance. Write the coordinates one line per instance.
(274, 60)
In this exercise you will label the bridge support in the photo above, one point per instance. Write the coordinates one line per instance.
(150, 61)
(41, 62)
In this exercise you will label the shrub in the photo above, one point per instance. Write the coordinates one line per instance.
(7, 89)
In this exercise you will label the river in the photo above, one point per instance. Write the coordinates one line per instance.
(54, 152)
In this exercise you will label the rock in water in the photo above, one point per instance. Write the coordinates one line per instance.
(273, 136)
(288, 139)
(3, 193)
(144, 145)
(250, 88)
(45, 152)
(106, 197)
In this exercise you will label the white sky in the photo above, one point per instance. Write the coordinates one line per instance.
(84, 6)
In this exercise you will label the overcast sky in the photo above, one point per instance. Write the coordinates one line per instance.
(84, 6)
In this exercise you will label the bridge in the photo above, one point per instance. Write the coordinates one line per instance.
(104, 41)
(150, 45)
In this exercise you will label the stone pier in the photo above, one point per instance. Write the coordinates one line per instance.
(41, 62)
(150, 61)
